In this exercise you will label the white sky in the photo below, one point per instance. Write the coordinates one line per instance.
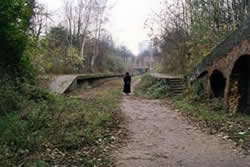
(126, 19)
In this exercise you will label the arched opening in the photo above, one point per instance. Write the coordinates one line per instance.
(218, 84)
(239, 95)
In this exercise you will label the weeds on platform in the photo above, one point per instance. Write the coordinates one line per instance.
(152, 88)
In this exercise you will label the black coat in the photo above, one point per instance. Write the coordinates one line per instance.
(127, 84)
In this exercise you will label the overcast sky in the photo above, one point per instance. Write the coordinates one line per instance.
(126, 19)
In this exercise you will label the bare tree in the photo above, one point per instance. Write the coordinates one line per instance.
(84, 21)
(78, 14)
(39, 22)
(189, 29)
(100, 7)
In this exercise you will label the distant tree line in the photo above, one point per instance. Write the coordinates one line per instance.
(29, 45)
(80, 43)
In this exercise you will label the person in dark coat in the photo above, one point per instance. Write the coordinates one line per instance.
(127, 83)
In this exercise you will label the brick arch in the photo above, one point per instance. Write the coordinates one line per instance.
(236, 53)
(239, 50)
(226, 63)
(240, 84)
(223, 58)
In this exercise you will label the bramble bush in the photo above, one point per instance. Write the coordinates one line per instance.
(151, 87)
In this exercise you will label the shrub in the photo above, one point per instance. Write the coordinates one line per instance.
(152, 87)
(14, 24)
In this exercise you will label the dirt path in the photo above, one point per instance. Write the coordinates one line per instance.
(160, 137)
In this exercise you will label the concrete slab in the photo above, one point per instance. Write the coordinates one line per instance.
(62, 83)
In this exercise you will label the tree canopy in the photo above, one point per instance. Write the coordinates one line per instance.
(14, 26)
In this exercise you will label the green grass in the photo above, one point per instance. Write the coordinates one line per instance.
(39, 128)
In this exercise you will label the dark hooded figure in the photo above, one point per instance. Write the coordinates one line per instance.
(127, 83)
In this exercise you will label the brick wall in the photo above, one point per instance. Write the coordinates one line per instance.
(226, 64)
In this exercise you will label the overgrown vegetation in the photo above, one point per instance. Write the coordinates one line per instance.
(78, 44)
(151, 87)
(185, 31)
(14, 25)
(38, 128)
(52, 54)
(41, 129)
